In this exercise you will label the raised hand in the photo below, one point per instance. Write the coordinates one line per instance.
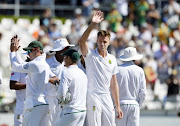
(14, 44)
(97, 17)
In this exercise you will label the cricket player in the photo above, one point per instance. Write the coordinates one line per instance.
(18, 83)
(74, 82)
(57, 66)
(38, 74)
(101, 70)
(132, 85)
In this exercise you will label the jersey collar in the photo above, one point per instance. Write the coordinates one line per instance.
(96, 51)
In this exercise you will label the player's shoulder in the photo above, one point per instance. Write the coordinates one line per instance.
(111, 56)
(92, 51)
(66, 71)
(14, 73)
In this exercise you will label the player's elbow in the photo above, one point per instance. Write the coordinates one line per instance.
(12, 85)
(80, 42)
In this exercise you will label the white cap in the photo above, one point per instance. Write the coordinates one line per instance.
(60, 44)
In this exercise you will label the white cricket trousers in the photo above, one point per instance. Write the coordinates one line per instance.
(38, 116)
(131, 114)
(71, 117)
(18, 119)
(54, 109)
(100, 110)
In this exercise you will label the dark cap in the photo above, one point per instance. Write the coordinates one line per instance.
(34, 44)
(72, 53)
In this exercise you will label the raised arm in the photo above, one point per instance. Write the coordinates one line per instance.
(97, 18)
(19, 67)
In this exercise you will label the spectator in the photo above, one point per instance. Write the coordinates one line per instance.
(45, 20)
(176, 57)
(122, 7)
(150, 70)
(163, 33)
(171, 14)
(95, 8)
(153, 15)
(164, 64)
(88, 6)
(54, 33)
(114, 18)
(173, 87)
(146, 37)
(141, 8)
(74, 36)
(79, 21)
(46, 45)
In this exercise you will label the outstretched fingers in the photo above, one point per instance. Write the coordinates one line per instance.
(15, 43)
(98, 17)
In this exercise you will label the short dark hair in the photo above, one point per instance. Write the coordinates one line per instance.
(103, 33)
(73, 60)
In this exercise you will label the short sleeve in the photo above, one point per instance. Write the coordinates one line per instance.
(115, 69)
(15, 76)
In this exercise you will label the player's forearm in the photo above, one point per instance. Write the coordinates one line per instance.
(17, 86)
(12, 56)
(53, 80)
(115, 90)
(86, 34)
(115, 94)
(82, 41)
(18, 58)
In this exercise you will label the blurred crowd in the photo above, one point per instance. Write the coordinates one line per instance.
(140, 24)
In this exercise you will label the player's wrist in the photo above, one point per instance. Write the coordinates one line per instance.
(93, 24)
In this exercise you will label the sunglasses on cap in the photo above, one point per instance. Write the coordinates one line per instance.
(30, 51)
